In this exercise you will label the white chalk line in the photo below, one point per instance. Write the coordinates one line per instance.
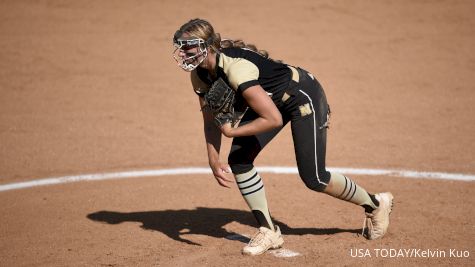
(201, 170)
(286, 253)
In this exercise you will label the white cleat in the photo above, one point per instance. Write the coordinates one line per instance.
(264, 240)
(377, 222)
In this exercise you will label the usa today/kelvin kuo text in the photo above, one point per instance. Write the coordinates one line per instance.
(408, 253)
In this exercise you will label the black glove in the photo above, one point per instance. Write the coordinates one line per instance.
(220, 100)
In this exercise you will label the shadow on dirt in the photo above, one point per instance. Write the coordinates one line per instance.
(200, 221)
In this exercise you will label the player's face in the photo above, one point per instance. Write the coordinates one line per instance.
(189, 52)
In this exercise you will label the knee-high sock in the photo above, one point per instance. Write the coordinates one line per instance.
(252, 189)
(344, 188)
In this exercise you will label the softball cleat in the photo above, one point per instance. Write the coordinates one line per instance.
(377, 221)
(264, 240)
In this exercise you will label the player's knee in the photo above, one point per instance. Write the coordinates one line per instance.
(239, 163)
(317, 183)
(238, 168)
(316, 186)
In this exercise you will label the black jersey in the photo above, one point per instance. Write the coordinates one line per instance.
(242, 68)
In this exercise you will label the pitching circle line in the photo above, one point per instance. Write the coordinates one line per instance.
(201, 170)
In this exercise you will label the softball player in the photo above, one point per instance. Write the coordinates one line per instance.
(276, 94)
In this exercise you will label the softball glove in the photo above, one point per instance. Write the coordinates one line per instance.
(220, 100)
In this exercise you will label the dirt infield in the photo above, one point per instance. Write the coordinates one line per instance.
(91, 87)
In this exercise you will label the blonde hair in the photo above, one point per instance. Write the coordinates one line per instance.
(201, 28)
(241, 44)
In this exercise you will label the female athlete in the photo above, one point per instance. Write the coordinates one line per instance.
(275, 94)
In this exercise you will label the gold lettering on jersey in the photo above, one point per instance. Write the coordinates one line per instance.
(305, 110)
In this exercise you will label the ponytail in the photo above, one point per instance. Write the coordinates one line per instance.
(226, 43)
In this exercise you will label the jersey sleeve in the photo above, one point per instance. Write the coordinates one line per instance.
(199, 87)
(242, 74)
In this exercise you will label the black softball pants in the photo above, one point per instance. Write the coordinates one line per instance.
(306, 107)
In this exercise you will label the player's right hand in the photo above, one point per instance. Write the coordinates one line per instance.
(221, 174)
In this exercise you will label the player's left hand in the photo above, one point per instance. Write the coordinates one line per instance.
(227, 130)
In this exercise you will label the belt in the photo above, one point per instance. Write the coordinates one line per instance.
(296, 79)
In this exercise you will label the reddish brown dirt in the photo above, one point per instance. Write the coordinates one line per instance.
(90, 86)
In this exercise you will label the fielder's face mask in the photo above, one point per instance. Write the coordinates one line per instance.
(189, 51)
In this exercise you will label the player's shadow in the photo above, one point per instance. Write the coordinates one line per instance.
(201, 221)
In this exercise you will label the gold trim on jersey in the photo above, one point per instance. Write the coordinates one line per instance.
(238, 70)
(295, 74)
(285, 97)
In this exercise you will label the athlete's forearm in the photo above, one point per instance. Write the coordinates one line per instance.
(269, 116)
(213, 143)
(212, 134)
(257, 126)
(212, 137)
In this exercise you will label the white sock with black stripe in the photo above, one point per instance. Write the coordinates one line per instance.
(344, 188)
(252, 189)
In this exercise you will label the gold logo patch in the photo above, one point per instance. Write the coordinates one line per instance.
(305, 110)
